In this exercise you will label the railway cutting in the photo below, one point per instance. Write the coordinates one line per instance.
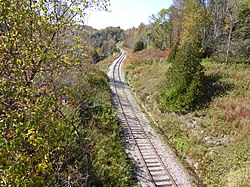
(155, 164)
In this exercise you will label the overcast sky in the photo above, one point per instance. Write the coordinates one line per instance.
(126, 13)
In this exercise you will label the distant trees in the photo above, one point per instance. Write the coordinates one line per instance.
(135, 34)
(159, 31)
(104, 41)
(234, 10)
(92, 43)
(241, 33)
(218, 26)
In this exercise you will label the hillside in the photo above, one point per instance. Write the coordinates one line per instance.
(213, 142)
(190, 68)
(57, 123)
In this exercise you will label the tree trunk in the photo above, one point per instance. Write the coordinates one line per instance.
(89, 168)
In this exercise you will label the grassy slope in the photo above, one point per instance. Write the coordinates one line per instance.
(99, 125)
(214, 142)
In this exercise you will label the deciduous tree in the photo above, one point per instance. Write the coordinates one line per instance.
(35, 46)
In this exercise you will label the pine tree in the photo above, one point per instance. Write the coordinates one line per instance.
(138, 46)
(185, 78)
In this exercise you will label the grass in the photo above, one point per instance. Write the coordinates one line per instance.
(213, 142)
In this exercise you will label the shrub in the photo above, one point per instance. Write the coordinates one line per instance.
(183, 91)
(138, 46)
(99, 129)
(62, 134)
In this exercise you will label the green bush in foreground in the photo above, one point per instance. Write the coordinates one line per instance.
(183, 91)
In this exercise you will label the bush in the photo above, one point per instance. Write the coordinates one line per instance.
(99, 129)
(63, 134)
(183, 91)
(138, 46)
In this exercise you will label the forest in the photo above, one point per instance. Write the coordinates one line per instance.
(57, 123)
(220, 28)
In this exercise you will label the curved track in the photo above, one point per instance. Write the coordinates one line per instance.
(155, 172)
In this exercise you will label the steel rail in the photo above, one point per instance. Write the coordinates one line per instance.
(144, 134)
(127, 123)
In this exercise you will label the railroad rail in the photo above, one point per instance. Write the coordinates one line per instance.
(157, 174)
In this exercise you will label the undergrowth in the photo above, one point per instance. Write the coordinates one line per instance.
(212, 142)
(63, 134)
(99, 127)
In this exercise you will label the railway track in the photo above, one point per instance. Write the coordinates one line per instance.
(154, 170)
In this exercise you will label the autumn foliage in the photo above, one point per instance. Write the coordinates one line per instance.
(55, 112)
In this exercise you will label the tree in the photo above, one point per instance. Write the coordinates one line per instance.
(231, 11)
(183, 92)
(134, 34)
(241, 33)
(195, 22)
(34, 50)
(223, 38)
(159, 31)
(235, 23)
(173, 52)
(138, 46)
(105, 40)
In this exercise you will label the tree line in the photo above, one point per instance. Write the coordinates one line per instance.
(220, 27)
(104, 42)
(192, 30)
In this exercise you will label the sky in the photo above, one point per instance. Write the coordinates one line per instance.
(126, 13)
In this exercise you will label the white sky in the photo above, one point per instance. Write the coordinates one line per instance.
(126, 13)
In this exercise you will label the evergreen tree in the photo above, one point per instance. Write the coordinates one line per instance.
(173, 52)
(138, 46)
(185, 77)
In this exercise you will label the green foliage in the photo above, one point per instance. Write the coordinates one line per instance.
(214, 141)
(105, 40)
(55, 150)
(99, 127)
(185, 81)
(195, 21)
(220, 27)
(173, 52)
(138, 46)
(132, 35)
(51, 123)
(159, 30)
